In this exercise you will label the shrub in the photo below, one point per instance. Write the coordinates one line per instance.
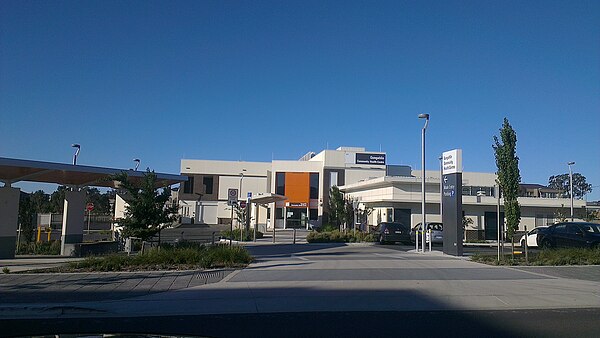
(570, 256)
(337, 236)
(248, 235)
(168, 257)
(39, 248)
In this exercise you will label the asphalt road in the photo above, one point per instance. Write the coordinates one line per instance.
(521, 323)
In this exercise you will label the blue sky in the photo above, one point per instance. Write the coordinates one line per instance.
(256, 80)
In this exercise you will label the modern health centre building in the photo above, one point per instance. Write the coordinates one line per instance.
(305, 183)
(393, 191)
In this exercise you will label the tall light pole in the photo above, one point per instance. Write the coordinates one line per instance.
(423, 224)
(571, 186)
(78, 147)
(241, 182)
(137, 163)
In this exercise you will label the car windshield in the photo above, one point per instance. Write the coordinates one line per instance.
(435, 226)
(394, 226)
(590, 227)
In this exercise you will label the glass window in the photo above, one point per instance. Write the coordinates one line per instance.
(314, 214)
(280, 183)
(562, 228)
(573, 229)
(278, 213)
(314, 186)
(188, 186)
(333, 179)
(208, 184)
(539, 220)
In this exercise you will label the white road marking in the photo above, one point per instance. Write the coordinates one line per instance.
(301, 258)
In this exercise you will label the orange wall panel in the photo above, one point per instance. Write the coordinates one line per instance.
(297, 187)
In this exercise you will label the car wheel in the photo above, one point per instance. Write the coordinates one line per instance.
(381, 241)
(523, 244)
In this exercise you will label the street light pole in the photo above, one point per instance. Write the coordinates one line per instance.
(423, 222)
(571, 187)
(241, 184)
(137, 163)
(78, 147)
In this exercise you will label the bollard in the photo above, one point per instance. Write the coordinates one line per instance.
(294, 236)
(526, 248)
(417, 239)
(430, 239)
(213, 238)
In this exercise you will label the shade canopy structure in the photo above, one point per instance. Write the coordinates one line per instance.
(18, 170)
(267, 198)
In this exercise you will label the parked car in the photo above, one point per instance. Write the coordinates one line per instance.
(437, 232)
(531, 236)
(570, 235)
(389, 232)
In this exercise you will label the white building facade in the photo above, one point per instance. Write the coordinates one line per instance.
(398, 198)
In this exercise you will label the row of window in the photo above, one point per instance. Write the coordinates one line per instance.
(207, 182)
(478, 191)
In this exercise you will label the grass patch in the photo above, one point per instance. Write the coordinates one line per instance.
(186, 256)
(337, 236)
(556, 257)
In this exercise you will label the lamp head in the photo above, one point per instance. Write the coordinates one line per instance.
(424, 116)
(75, 145)
(570, 163)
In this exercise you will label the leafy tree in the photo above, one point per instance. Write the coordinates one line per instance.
(336, 207)
(561, 182)
(147, 212)
(508, 173)
(27, 216)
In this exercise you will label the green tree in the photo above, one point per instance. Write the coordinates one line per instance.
(509, 176)
(561, 182)
(147, 212)
(27, 216)
(336, 208)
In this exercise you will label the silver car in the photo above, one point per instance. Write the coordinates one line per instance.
(437, 232)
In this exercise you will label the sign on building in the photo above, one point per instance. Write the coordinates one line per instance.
(364, 158)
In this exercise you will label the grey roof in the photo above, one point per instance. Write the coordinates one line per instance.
(15, 170)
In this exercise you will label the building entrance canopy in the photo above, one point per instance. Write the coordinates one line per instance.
(76, 176)
(17, 170)
(267, 198)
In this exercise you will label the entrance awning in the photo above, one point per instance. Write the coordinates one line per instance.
(17, 170)
(267, 198)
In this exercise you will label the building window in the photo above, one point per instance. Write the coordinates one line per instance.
(333, 179)
(278, 213)
(188, 186)
(477, 191)
(314, 186)
(208, 184)
(539, 220)
(314, 214)
(280, 184)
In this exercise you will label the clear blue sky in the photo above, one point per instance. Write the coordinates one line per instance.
(252, 80)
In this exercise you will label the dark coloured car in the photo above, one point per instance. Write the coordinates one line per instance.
(570, 235)
(389, 232)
